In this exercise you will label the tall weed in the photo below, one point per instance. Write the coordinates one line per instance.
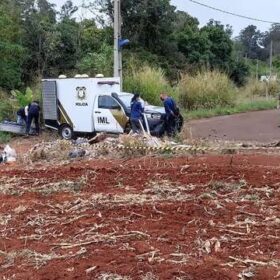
(255, 88)
(149, 82)
(206, 90)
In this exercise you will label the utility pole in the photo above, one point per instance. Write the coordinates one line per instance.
(117, 37)
(257, 70)
(270, 60)
(120, 50)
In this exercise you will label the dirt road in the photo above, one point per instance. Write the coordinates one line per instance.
(260, 126)
(199, 218)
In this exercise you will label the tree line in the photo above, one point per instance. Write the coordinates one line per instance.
(39, 40)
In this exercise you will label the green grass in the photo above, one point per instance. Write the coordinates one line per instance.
(247, 106)
(4, 137)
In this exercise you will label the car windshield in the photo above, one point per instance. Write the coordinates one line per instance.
(126, 99)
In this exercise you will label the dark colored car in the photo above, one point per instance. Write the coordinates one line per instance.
(155, 114)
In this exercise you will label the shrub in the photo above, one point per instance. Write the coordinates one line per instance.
(4, 137)
(23, 98)
(100, 62)
(149, 82)
(206, 90)
(255, 88)
(274, 88)
(6, 110)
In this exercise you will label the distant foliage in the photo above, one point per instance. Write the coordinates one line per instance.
(206, 90)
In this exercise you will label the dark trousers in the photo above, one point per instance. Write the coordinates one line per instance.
(30, 118)
(135, 125)
(170, 125)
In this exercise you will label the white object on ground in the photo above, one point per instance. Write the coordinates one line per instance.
(10, 154)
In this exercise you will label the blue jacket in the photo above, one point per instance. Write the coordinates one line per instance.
(170, 106)
(136, 110)
(34, 109)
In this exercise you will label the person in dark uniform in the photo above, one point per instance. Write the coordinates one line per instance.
(33, 114)
(170, 114)
(21, 116)
(136, 113)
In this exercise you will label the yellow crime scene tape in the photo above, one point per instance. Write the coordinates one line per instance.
(182, 148)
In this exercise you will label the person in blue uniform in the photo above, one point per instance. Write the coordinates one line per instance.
(136, 114)
(171, 112)
(33, 114)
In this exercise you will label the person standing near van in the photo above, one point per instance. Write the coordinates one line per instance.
(33, 114)
(170, 114)
(136, 113)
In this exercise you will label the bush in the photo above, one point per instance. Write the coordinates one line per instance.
(255, 88)
(206, 90)
(149, 82)
(6, 110)
(100, 62)
(239, 72)
(23, 98)
(4, 137)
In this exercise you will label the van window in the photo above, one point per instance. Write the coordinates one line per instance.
(107, 102)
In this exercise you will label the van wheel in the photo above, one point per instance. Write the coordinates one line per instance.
(66, 132)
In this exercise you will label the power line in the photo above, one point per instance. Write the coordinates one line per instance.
(233, 14)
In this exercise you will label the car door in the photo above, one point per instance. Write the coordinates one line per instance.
(108, 115)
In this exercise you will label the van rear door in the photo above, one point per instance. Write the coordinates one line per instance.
(108, 115)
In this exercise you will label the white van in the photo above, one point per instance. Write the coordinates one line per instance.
(82, 105)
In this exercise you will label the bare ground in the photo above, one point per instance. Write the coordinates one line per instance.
(199, 218)
(262, 126)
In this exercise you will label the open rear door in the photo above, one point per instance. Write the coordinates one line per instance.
(50, 112)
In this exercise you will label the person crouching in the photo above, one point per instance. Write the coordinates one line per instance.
(22, 114)
(136, 114)
(33, 114)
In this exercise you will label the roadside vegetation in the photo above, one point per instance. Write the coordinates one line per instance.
(4, 137)
(203, 68)
(205, 94)
(245, 106)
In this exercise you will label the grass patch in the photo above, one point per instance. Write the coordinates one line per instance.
(206, 90)
(149, 82)
(247, 106)
(4, 137)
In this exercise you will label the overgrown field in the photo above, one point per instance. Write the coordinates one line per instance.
(208, 217)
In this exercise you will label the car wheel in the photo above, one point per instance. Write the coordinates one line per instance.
(66, 132)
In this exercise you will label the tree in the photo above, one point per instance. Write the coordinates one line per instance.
(239, 72)
(39, 36)
(98, 62)
(273, 35)
(67, 10)
(145, 23)
(12, 54)
(251, 39)
(68, 47)
(220, 45)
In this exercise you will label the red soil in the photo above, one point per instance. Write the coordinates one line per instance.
(227, 202)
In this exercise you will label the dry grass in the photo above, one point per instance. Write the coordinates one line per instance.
(206, 90)
(112, 276)
(13, 186)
